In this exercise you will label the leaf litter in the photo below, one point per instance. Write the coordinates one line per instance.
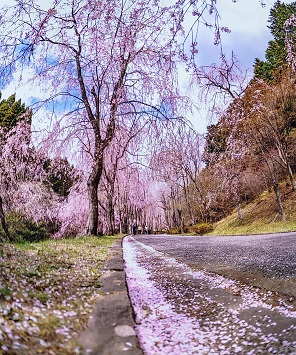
(47, 293)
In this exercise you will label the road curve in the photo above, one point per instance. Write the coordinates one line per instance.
(190, 296)
(267, 260)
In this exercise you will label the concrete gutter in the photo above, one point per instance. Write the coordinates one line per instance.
(111, 330)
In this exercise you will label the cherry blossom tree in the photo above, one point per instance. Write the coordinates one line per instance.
(136, 185)
(14, 156)
(233, 161)
(227, 79)
(117, 160)
(128, 188)
(22, 176)
(102, 59)
(276, 109)
(26, 187)
(177, 163)
(219, 84)
(71, 212)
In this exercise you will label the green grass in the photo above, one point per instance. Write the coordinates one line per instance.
(261, 216)
(47, 293)
(259, 226)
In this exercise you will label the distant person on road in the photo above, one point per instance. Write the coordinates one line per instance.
(146, 229)
(134, 227)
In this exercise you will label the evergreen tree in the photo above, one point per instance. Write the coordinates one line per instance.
(215, 143)
(11, 112)
(275, 54)
(61, 175)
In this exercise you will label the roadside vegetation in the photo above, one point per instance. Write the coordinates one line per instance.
(256, 217)
(47, 293)
(261, 216)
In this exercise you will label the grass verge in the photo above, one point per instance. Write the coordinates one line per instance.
(47, 293)
(230, 227)
(261, 216)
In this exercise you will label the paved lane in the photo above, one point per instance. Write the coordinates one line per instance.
(261, 260)
(183, 309)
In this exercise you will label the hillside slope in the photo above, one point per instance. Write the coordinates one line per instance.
(262, 216)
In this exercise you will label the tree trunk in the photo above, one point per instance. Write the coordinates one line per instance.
(291, 176)
(239, 209)
(284, 158)
(279, 200)
(91, 227)
(191, 215)
(204, 213)
(180, 221)
(2, 219)
(111, 216)
(120, 227)
(239, 212)
(275, 186)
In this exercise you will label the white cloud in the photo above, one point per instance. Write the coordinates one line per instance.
(22, 87)
(248, 39)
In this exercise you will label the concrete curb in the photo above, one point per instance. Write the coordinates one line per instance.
(111, 330)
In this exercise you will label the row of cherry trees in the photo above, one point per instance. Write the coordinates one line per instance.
(32, 184)
(258, 140)
(161, 173)
(52, 192)
(250, 149)
(109, 71)
(100, 64)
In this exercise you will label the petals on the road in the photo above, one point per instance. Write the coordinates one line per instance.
(183, 311)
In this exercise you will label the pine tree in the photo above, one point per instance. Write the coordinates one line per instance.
(11, 112)
(275, 54)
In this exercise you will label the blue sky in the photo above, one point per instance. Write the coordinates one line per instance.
(249, 36)
(248, 39)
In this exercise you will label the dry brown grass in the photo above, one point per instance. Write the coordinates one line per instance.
(262, 215)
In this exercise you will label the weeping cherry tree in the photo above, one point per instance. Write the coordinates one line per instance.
(99, 60)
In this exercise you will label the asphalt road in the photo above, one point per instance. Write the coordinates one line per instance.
(184, 304)
(267, 261)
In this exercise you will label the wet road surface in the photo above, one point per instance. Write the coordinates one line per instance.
(261, 260)
(186, 302)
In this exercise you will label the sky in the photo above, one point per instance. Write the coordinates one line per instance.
(248, 39)
(249, 36)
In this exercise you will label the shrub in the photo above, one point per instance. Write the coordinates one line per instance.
(186, 229)
(22, 229)
(201, 228)
(4, 291)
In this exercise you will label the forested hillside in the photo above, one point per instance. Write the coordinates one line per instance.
(120, 148)
(249, 151)
(251, 148)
